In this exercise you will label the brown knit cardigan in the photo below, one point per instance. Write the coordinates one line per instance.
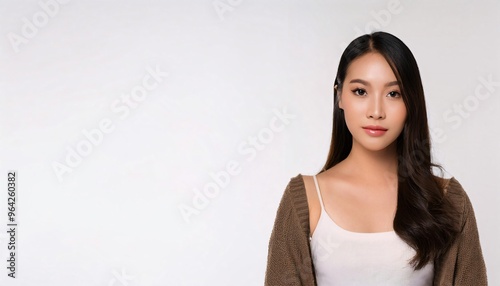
(289, 259)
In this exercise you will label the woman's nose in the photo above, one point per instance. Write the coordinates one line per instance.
(376, 108)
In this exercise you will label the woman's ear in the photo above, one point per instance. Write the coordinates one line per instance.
(335, 87)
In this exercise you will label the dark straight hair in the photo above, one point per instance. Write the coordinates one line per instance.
(425, 219)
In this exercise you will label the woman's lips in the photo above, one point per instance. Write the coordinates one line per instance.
(375, 127)
(375, 132)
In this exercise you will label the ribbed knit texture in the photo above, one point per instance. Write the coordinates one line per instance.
(289, 259)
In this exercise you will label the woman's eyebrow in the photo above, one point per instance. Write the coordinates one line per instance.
(391, 83)
(360, 81)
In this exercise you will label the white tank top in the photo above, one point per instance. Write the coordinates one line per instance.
(342, 257)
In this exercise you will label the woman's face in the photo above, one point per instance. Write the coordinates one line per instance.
(371, 96)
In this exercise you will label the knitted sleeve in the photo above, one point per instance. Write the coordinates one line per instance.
(464, 263)
(289, 261)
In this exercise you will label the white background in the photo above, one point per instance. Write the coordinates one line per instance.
(116, 219)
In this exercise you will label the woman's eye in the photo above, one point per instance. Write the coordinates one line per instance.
(394, 94)
(359, 91)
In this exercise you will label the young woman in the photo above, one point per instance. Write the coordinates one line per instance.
(376, 214)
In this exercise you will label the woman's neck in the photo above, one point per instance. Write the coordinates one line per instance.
(376, 166)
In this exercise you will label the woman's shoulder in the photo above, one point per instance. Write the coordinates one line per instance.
(299, 188)
(296, 190)
(455, 193)
(297, 182)
(451, 186)
(294, 202)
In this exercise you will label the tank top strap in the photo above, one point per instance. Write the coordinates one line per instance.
(319, 193)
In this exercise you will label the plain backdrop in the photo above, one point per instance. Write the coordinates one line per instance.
(153, 140)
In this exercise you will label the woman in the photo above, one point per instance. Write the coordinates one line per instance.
(376, 214)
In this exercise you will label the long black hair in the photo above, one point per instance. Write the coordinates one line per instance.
(424, 219)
